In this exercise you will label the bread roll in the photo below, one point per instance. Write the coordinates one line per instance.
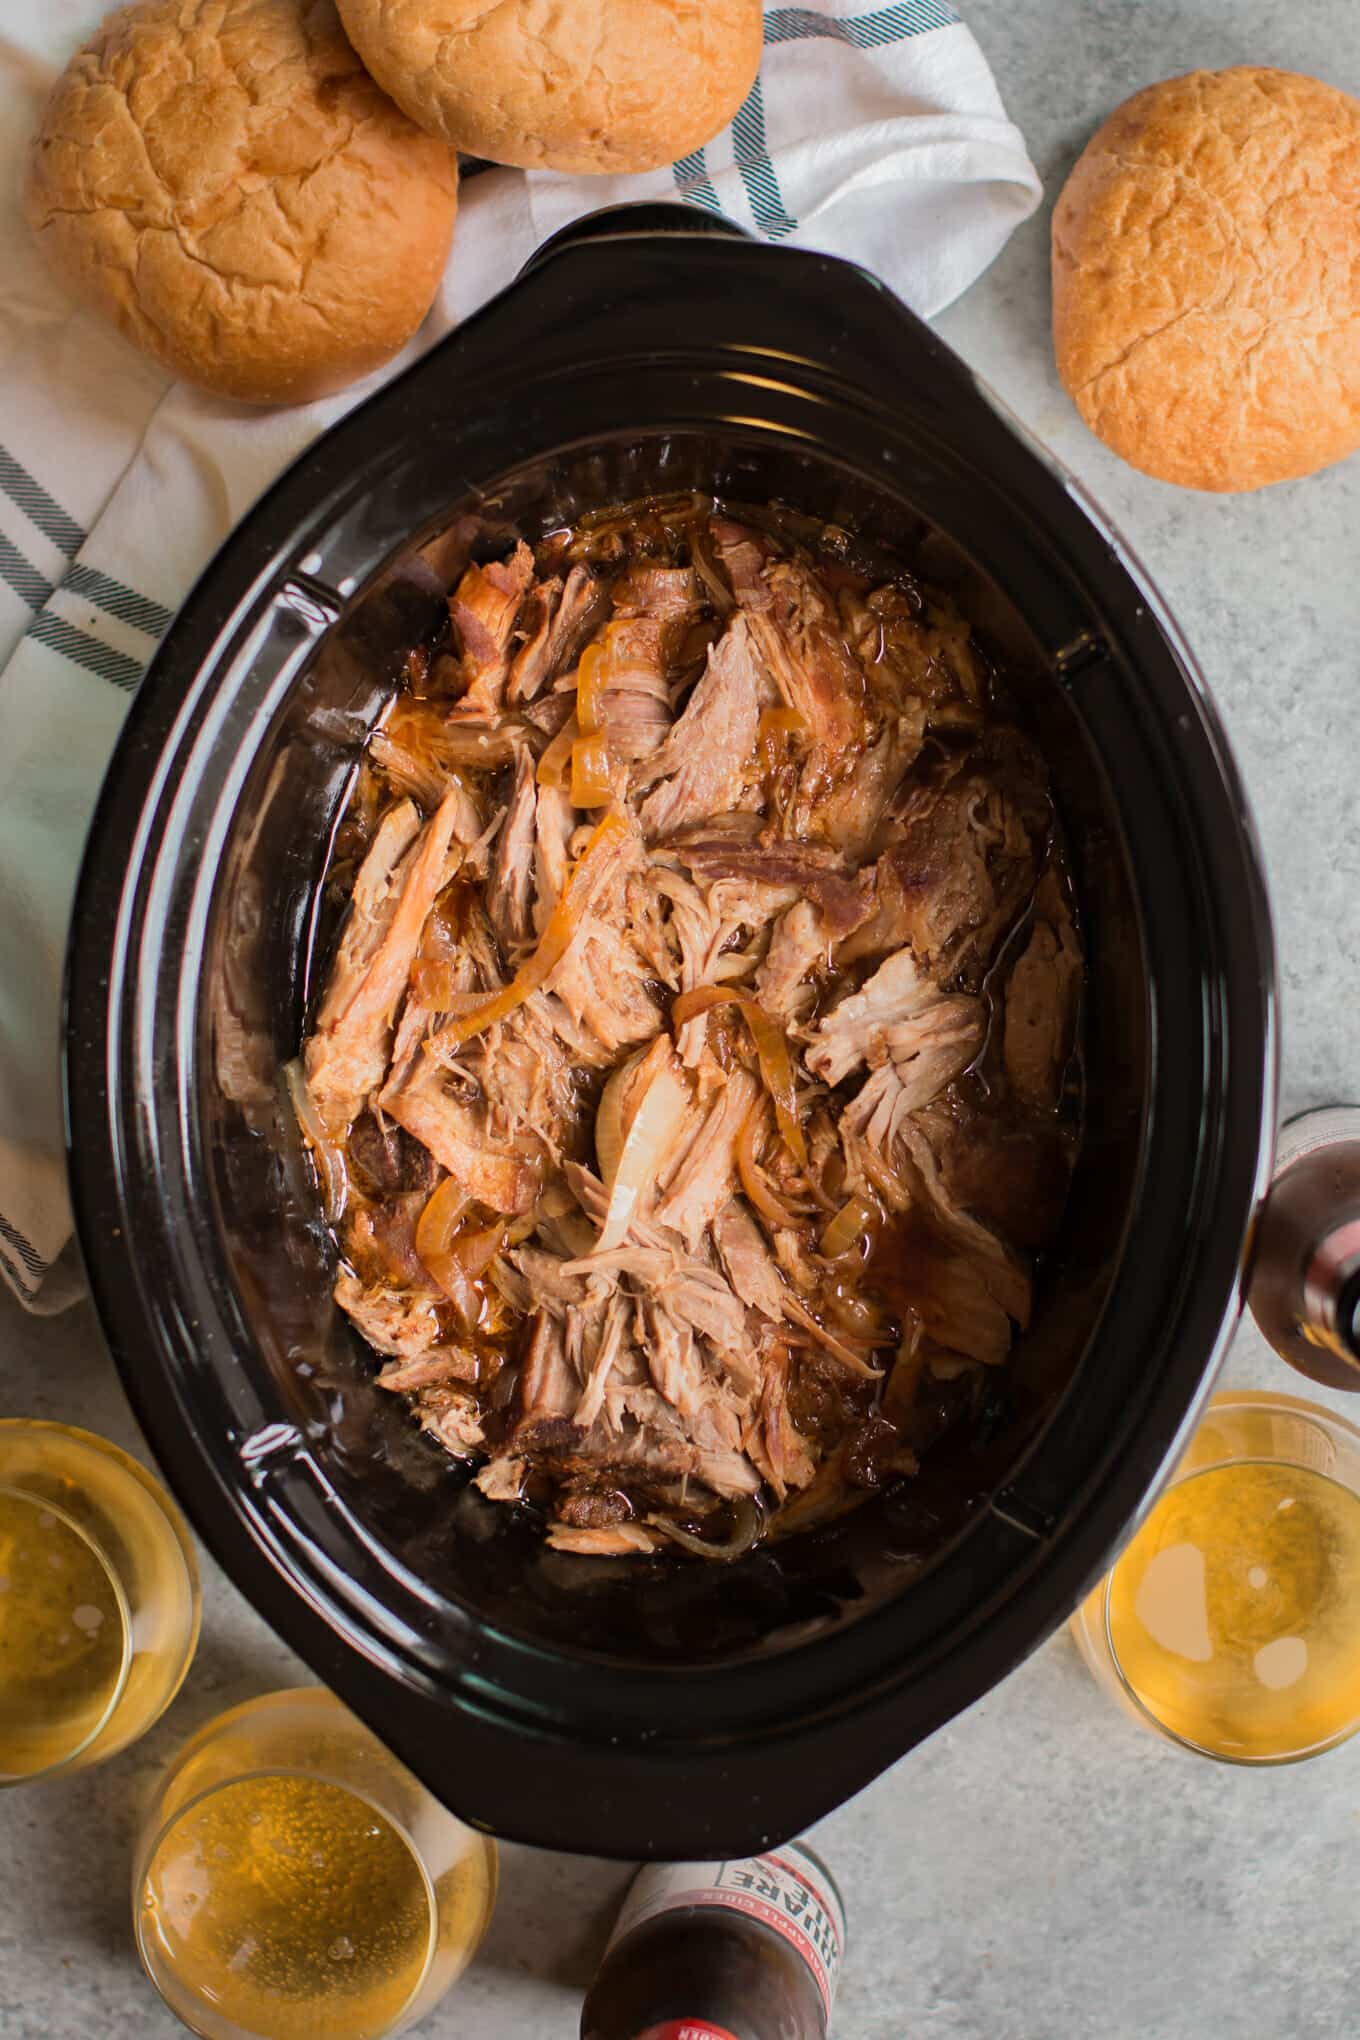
(581, 85)
(227, 183)
(1206, 279)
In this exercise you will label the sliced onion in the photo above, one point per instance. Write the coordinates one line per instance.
(555, 764)
(860, 1320)
(427, 731)
(440, 1218)
(849, 1228)
(881, 1178)
(591, 784)
(590, 686)
(662, 1106)
(611, 1116)
(326, 1153)
(564, 925)
(741, 1541)
(475, 1251)
(801, 1315)
(435, 1228)
(753, 1180)
(772, 1053)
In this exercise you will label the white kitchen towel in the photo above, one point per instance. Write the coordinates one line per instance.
(874, 133)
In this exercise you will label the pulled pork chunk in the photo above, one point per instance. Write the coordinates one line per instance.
(704, 762)
(483, 610)
(707, 1176)
(852, 812)
(799, 945)
(424, 745)
(405, 1327)
(745, 1256)
(347, 1055)
(1041, 999)
(922, 1055)
(554, 826)
(773, 1441)
(932, 887)
(510, 883)
(617, 1540)
(814, 871)
(602, 980)
(962, 864)
(556, 621)
(743, 555)
(452, 1418)
(913, 1037)
(906, 656)
(549, 1389)
(691, 1082)
(798, 635)
(459, 1137)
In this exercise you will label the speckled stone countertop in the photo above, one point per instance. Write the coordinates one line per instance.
(1040, 1870)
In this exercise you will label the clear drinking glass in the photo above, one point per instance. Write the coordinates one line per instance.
(293, 1880)
(1230, 1623)
(99, 1600)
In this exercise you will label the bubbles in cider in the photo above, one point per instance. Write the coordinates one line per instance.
(293, 1907)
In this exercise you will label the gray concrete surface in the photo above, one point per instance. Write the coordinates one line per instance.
(1041, 1870)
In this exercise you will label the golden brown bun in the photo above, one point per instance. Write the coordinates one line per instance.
(581, 85)
(1206, 279)
(227, 183)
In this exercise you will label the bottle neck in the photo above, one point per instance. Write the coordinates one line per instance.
(1305, 1271)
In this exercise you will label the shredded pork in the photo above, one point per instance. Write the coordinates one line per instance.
(709, 961)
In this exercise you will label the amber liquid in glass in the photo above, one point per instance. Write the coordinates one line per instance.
(1232, 1614)
(64, 1636)
(100, 1599)
(296, 1908)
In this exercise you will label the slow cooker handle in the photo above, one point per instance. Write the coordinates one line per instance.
(683, 277)
(640, 216)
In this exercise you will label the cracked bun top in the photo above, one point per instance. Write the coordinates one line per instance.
(1206, 279)
(224, 180)
(579, 85)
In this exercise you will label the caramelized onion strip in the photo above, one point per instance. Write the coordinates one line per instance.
(327, 1155)
(753, 1179)
(772, 1053)
(564, 925)
(743, 1537)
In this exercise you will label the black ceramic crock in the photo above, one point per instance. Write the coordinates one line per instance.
(648, 1710)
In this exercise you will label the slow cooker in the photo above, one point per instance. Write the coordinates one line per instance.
(678, 1708)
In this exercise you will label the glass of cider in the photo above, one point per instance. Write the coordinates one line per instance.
(1230, 1622)
(293, 1880)
(99, 1600)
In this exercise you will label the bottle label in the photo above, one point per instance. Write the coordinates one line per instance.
(687, 2029)
(787, 1891)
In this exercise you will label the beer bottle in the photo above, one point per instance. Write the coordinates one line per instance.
(1305, 1280)
(742, 1950)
